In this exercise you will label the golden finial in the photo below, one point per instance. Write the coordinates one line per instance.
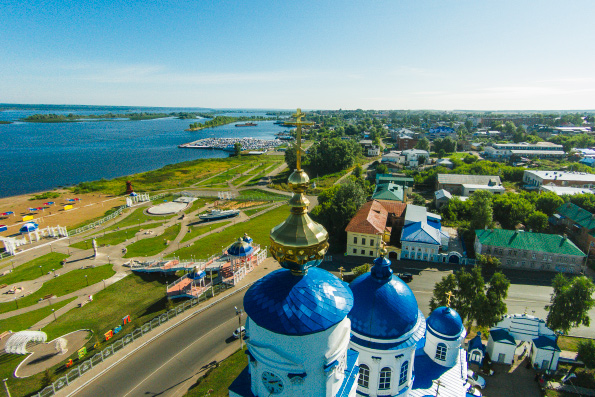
(450, 295)
(341, 270)
(298, 139)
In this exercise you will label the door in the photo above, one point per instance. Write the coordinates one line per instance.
(501, 357)
(545, 364)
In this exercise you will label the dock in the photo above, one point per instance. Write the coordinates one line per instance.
(228, 144)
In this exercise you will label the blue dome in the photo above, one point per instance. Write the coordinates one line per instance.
(385, 307)
(445, 321)
(298, 305)
(247, 238)
(240, 248)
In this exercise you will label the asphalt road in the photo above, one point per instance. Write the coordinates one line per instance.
(169, 365)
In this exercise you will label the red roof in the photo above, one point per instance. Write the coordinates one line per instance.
(393, 207)
(370, 219)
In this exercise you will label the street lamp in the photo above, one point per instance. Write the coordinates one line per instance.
(6, 387)
(108, 260)
(87, 280)
(103, 283)
(40, 270)
(239, 313)
(54, 312)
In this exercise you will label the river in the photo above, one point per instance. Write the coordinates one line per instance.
(43, 156)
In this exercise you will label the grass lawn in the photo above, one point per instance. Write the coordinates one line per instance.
(219, 378)
(224, 177)
(258, 228)
(25, 320)
(203, 228)
(30, 270)
(201, 202)
(257, 171)
(18, 387)
(140, 297)
(114, 238)
(568, 343)
(253, 211)
(88, 221)
(62, 285)
(154, 245)
(261, 195)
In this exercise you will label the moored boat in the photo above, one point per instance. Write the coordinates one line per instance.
(218, 214)
(247, 125)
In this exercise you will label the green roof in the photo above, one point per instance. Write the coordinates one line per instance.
(577, 215)
(539, 242)
(399, 180)
(388, 191)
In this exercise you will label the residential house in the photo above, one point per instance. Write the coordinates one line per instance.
(445, 163)
(389, 191)
(441, 198)
(422, 237)
(523, 250)
(391, 157)
(535, 179)
(453, 183)
(503, 151)
(411, 157)
(398, 180)
(367, 229)
(373, 151)
(441, 132)
(579, 224)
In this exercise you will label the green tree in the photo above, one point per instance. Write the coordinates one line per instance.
(538, 222)
(423, 144)
(417, 199)
(548, 202)
(332, 155)
(469, 159)
(489, 310)
(570, 303)
(361, 269)
(489, 264)
(381, 169)
(237, 149)
(48, 377)
(358, 171)
(586, 352)
(441, 153)
(482, 215)
(291, 157)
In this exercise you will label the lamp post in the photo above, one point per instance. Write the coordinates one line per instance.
(40, 270)
(87, 280)
(108, 260)
(103, 283)
(239, 313)
(6, 387)
(54, 312)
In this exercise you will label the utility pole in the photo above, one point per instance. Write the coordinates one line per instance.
(6, 387)
(239, 313)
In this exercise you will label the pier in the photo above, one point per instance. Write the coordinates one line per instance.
(228, 144)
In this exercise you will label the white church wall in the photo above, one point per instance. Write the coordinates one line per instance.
(545, 359)
(500, 352)
(452, 348)
(286, 356)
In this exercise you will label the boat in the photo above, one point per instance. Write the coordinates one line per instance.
(279, 122)
(247, 125)
(218, 214)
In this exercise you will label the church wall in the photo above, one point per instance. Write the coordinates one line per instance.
(290, 357)
(452, 348)
(495, 350)
(550, 357)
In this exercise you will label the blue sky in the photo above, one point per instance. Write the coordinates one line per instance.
(312, 54)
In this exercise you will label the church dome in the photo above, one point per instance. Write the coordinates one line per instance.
(240, 248)
(445, 321)
(287, 304)
(384, 306)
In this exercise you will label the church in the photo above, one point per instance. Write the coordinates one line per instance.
(308, 333)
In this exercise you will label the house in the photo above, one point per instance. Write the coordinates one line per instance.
(391, 157)
(422, 238)
(579, 224)
(535, 179)
(367, 229)
(398, 180)
(519, 333)
(590, 161)
(389, 191)
(469, 189)
(563, 191)
(373, 151)
(445, 163)
(440, 132)
(523, 250)
(503, 151)
(453, 183)
(476, 350)
(412, 157)
(441, 198)
(404, 138)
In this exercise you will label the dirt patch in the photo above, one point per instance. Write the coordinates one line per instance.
(237, 205)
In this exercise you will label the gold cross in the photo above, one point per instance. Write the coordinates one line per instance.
(341, 270)
(298, 123)
(438, 383)
(450, 295)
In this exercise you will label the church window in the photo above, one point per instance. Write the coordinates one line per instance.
(403, 374)
(363, 241)
(371, 243)
(364, 375)
(384, 383)
(441, 352)
(355, 240)
(363, 252)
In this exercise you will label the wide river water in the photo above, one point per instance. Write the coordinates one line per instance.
(42, 156)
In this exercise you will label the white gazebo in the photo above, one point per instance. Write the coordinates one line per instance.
(17, 343)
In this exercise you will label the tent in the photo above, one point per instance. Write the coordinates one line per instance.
(29, 227)
(3, 228)
(133, 194)
(49, 203)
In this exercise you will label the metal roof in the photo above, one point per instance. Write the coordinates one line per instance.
(452, 379)
(577, 215)
(459, 179)
(537, 242)
(445, 321)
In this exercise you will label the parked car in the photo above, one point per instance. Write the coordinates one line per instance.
(472, 391)
(407, 277)
(239, 331)
(475, 380)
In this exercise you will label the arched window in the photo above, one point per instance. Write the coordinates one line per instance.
(403, 373)
(441, 352)
(384, 382)
(364, 375)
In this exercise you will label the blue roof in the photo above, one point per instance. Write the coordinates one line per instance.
(445, 321)
(385, 307)
(503, 336)
(546, 343)
(476, 343)
(452, 379)
(240, 248)
(421, 233)
(298, 305)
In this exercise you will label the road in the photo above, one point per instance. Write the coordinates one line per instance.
(171, 364)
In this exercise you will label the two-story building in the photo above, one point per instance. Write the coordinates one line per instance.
(454, 183)
(524, 250)
(411, 157)
(422, 237)
(503, 151)
(535, 179)
(579, 224)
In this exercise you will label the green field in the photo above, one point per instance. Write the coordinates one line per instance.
(30, 270)
(253, 211)
(154, 245)
(62, 285)
(201, 202)
(25, 320)
(263, 195)
(114, 238)
(226, 176)
(202, 229)
(219, 378)
(258, 228)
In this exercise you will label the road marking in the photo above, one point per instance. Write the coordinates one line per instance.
(180, 352)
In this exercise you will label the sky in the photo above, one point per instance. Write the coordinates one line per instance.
(397, 54)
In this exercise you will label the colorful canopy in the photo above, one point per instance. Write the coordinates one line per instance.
(3, 228)
(49, 203)
(29, 227)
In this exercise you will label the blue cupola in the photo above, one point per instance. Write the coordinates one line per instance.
(240, 248)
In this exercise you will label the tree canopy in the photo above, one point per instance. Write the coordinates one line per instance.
(570, 303)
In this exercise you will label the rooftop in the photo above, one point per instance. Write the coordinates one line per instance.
(562, 175)
(563, 190)
(389, 191)
(539, 242)
(370, 219)
(578, 215)
(526, 145)
(459, 179)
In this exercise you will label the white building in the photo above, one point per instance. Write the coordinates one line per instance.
(469, 189)
(411, 157)
(391, 157)
(524, 149)
(563, 190)
(373, 151)
(535, 179)
(422, 238)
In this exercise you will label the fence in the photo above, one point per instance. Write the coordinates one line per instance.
(99, 357)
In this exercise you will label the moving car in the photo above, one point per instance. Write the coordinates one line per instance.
(407, 277)
(475, 379)
(239, 331)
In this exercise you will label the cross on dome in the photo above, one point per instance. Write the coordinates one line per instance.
(449, 294)
(298, 123)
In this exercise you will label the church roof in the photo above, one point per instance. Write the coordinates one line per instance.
(502, 336)
(427, 372)
(476, 343)
(385, 307)
(421, 232)
(546, 343)
(445, 321)
(240, 248)
(298, 305)
(370, 219)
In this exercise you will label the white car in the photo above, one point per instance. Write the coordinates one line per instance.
(472, 391)
(239, 331)
(475, 380)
